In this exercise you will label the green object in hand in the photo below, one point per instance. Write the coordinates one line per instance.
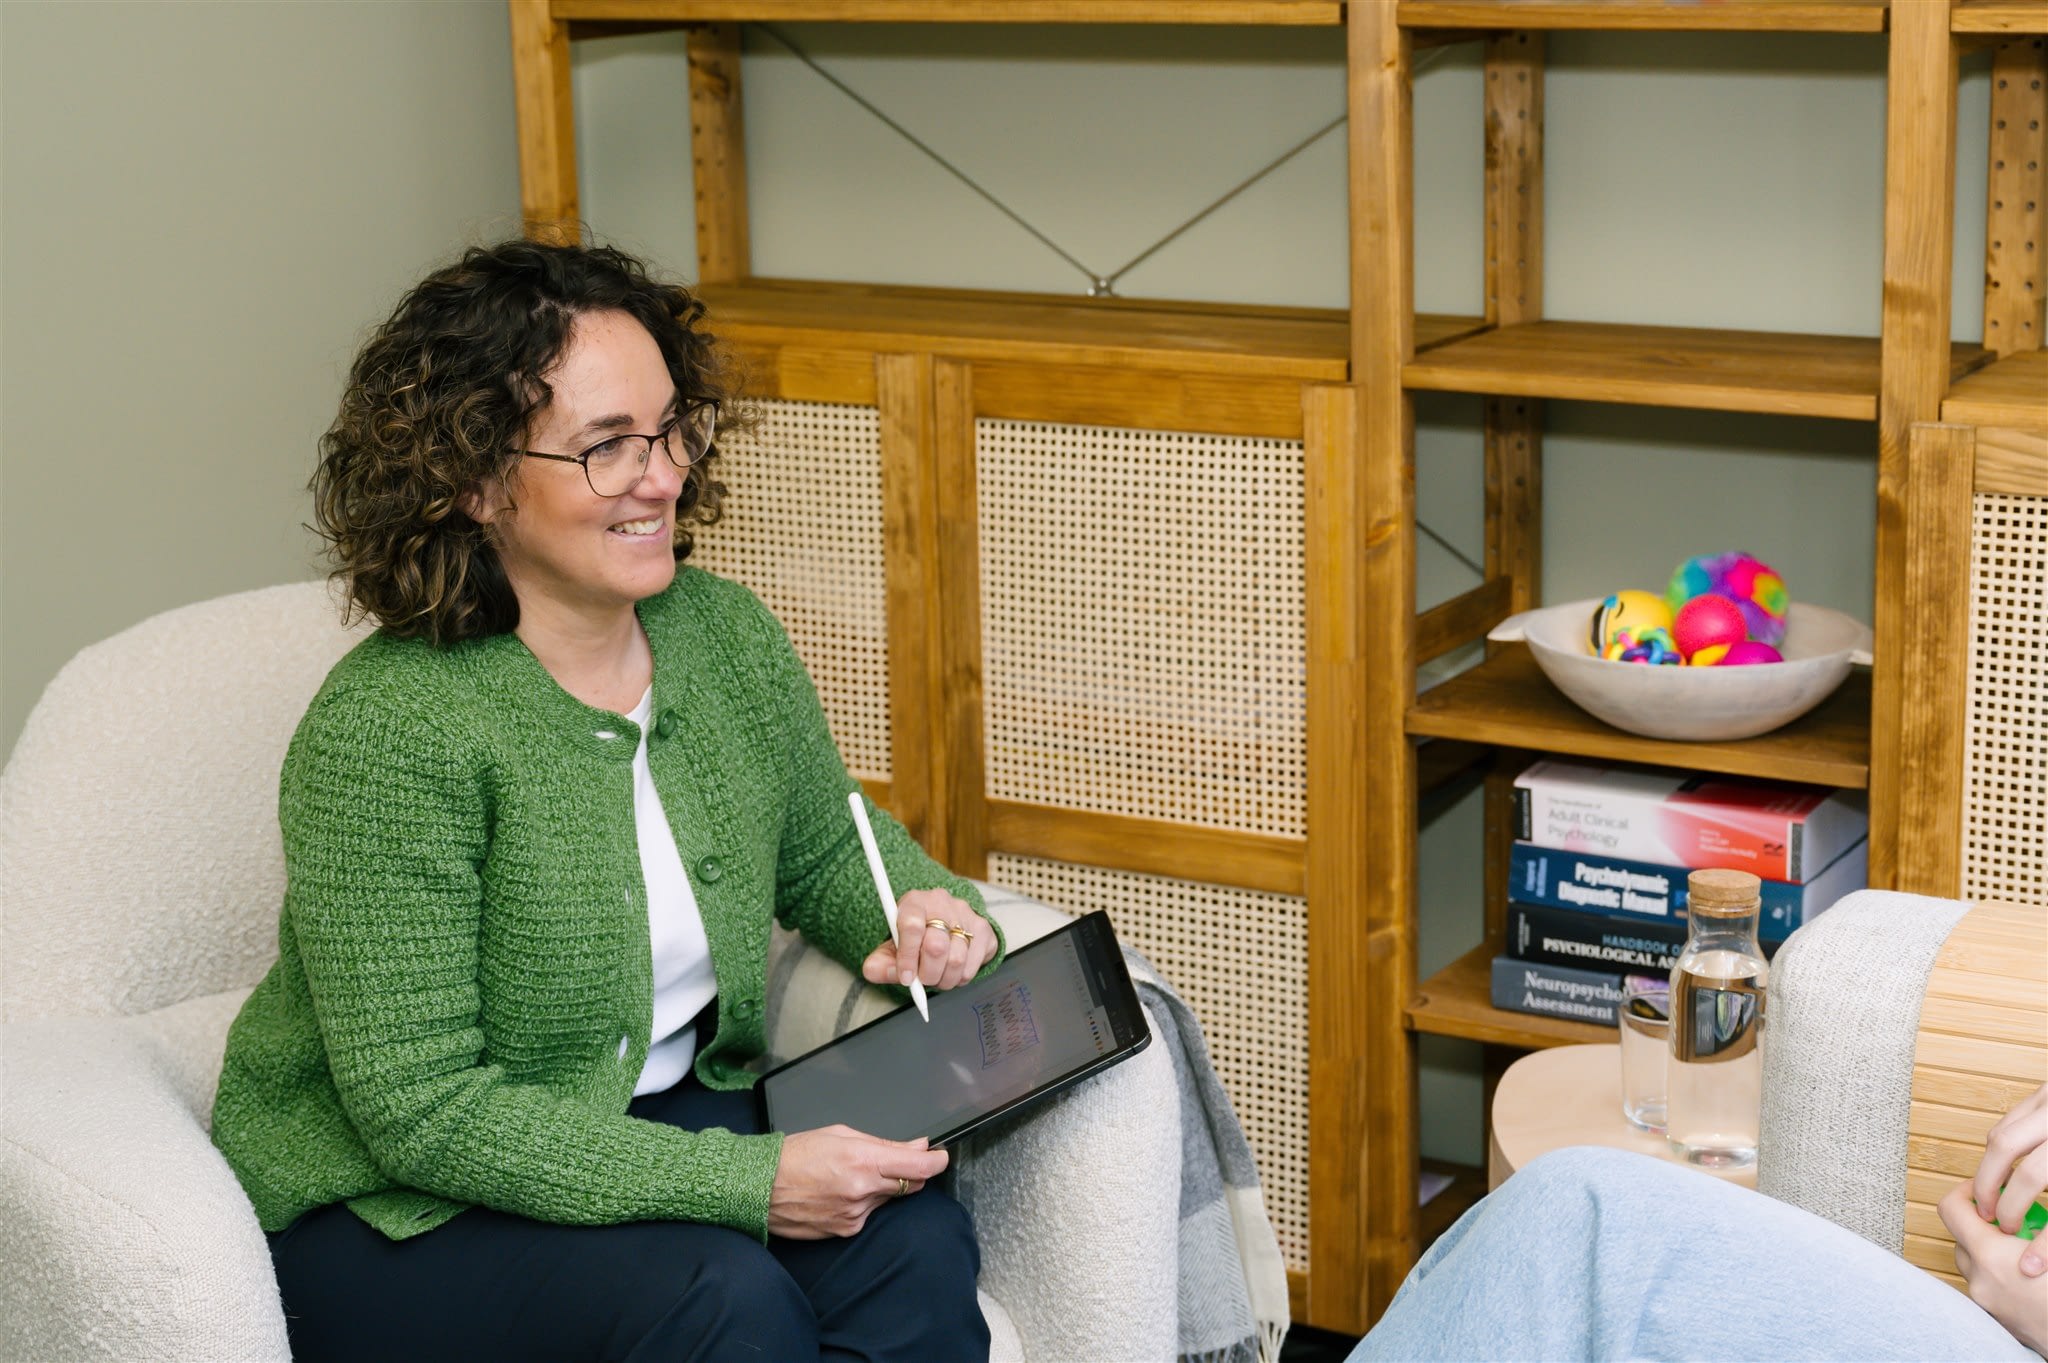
(2033, 1223)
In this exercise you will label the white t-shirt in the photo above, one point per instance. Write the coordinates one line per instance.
(683, 981)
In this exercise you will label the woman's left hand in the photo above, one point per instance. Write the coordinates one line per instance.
(945, 943)
(2003, 1271)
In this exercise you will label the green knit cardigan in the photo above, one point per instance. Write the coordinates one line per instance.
(463, 948)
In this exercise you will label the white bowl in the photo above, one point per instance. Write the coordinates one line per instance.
(1693, 704)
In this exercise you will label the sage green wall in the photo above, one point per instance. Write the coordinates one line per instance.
(202, 207)
(206, 204)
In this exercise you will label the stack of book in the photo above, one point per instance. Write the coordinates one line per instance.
(1596, 883)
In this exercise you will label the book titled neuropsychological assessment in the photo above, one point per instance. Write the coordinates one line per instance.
(1699, 822)
(1641, 890)
(1558, 991)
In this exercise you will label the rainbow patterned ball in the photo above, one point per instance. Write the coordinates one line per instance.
(1744, 579)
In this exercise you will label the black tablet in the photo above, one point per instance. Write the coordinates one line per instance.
(1056, 1011)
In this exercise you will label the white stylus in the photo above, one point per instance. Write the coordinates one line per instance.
(881, 875)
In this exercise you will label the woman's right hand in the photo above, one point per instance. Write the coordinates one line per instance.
(2014, 1170)
(831, 1180)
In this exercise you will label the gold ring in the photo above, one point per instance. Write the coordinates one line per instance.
(955, 930)
(938, 923)
(902, 1187)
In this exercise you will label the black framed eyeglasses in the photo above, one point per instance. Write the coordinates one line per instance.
(613, 465)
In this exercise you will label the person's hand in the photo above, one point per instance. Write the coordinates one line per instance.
(1992, 1263)
(830, 1181)
(945, 942)
(2015, 1158)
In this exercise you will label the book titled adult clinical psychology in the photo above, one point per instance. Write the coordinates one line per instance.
(1559, 991)
(1776, 830)
(1641, 891)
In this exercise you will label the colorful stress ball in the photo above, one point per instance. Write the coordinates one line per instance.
(1622, 621)
(1744, 654)
(1744, 579)
(1706, 622)
(1748, 653)
(1653, 646)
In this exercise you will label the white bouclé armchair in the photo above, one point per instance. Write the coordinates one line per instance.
(143, 872)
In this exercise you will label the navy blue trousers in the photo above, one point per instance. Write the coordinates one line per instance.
(493, 1286)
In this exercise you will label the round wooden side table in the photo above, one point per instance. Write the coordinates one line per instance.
(1569, 1095)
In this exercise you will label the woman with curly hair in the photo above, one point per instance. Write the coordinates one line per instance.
(493, 1099)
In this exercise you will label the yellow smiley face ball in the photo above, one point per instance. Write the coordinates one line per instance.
(1626, 616)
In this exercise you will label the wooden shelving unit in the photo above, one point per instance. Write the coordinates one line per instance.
(1522, 359)
(934, 361)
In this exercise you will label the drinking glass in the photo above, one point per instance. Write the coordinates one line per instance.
(1645, 1049)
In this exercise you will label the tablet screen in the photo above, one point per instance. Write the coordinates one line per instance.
(1040, 1018)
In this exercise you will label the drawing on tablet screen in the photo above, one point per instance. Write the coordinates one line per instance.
(1007, 1025)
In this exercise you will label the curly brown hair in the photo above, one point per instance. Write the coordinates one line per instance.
(440, 399)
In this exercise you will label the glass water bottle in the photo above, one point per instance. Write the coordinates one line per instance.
(1715, 1098)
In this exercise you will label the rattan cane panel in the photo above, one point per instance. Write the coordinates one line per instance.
(2005, 776)
(1240, 959)
(1143, 623)
(803, 528)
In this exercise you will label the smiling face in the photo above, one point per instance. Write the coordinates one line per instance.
(566, 550)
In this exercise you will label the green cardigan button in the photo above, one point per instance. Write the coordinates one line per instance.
(709, 870)
(666, 726)
(745, 1008)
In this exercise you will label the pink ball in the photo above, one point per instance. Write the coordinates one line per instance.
(1708, 620)
(1749, 652)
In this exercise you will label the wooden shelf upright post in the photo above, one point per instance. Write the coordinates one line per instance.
(2015, 281)
(1513, 67)
(1347, 1292)
(546, 113)
(1919, 232)
(718, 155)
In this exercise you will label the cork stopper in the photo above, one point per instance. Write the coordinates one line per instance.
(1722, 894)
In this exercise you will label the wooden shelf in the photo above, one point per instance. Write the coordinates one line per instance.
(1999, 16)
(1508, 701)
(1310, 344)
(1764, 16)
(2009, 392)
(1727, 371)
(1457, 1001)
(1292, 12)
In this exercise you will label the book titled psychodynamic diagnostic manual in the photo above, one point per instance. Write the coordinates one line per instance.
(1637, 891)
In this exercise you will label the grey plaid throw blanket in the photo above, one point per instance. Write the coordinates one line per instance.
(1233, 1283)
